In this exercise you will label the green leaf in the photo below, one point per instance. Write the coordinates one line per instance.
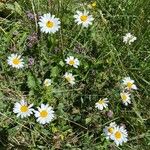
(18, 8)
(15, 8)
(10, 6)
(32, 81)
(61, 63)
(54, 71)
(2, 6)
(88, 120)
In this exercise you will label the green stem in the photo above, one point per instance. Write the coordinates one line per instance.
(35, 17)
(76, 37)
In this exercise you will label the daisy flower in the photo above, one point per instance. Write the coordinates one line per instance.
(129, 38)
(15, 61)
(125, 97)
(119, 135)
(70, 78)
(83, 18)
(72, 61)
(49, 24)
(45, 114)
(22, 109)
(129, 83)
(47, 82)
(101, 104)
(108, 130)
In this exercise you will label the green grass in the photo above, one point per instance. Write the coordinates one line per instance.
(105, 61)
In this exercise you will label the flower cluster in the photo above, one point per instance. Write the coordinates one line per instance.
(72, 62)
(116, 133)
(129, 38)
(17, 62)
(44, 113)
(48, 23)
(68, 76)
(128, 85)
(32, 40)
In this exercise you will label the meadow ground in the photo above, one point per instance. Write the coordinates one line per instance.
(104, 61)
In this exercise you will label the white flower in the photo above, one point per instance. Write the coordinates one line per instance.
(83, 4)
(15, 61)
(129, 83)
(45, 114)
(125, 98)
(129, 38)
(47, 82)
(70, 78)
(108, 130)
(119, 135)
(49, 24)
(22, 109)
(83, 18)
(101, 104)
(72, 61)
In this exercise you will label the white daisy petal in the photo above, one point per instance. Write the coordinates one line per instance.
(70, 78)
(83, 18)
(15, 61)
(129, 83)
(47, 82)
(22, 109)
(45, 114)
(119, 135)
(108, 130)
(125, 97)
(72, 61)
(49, 24)
(101, 104)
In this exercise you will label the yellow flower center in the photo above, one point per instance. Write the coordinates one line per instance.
(49, 24)
(46, 83)
(124, 97)
(43, 113)
(129, 85)
(84, 18)
(71, 62)
(110, 130)
(16, 61)
(68, 79)
(118, 135)
(93, 4)
(101, 102)
(24, 108)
